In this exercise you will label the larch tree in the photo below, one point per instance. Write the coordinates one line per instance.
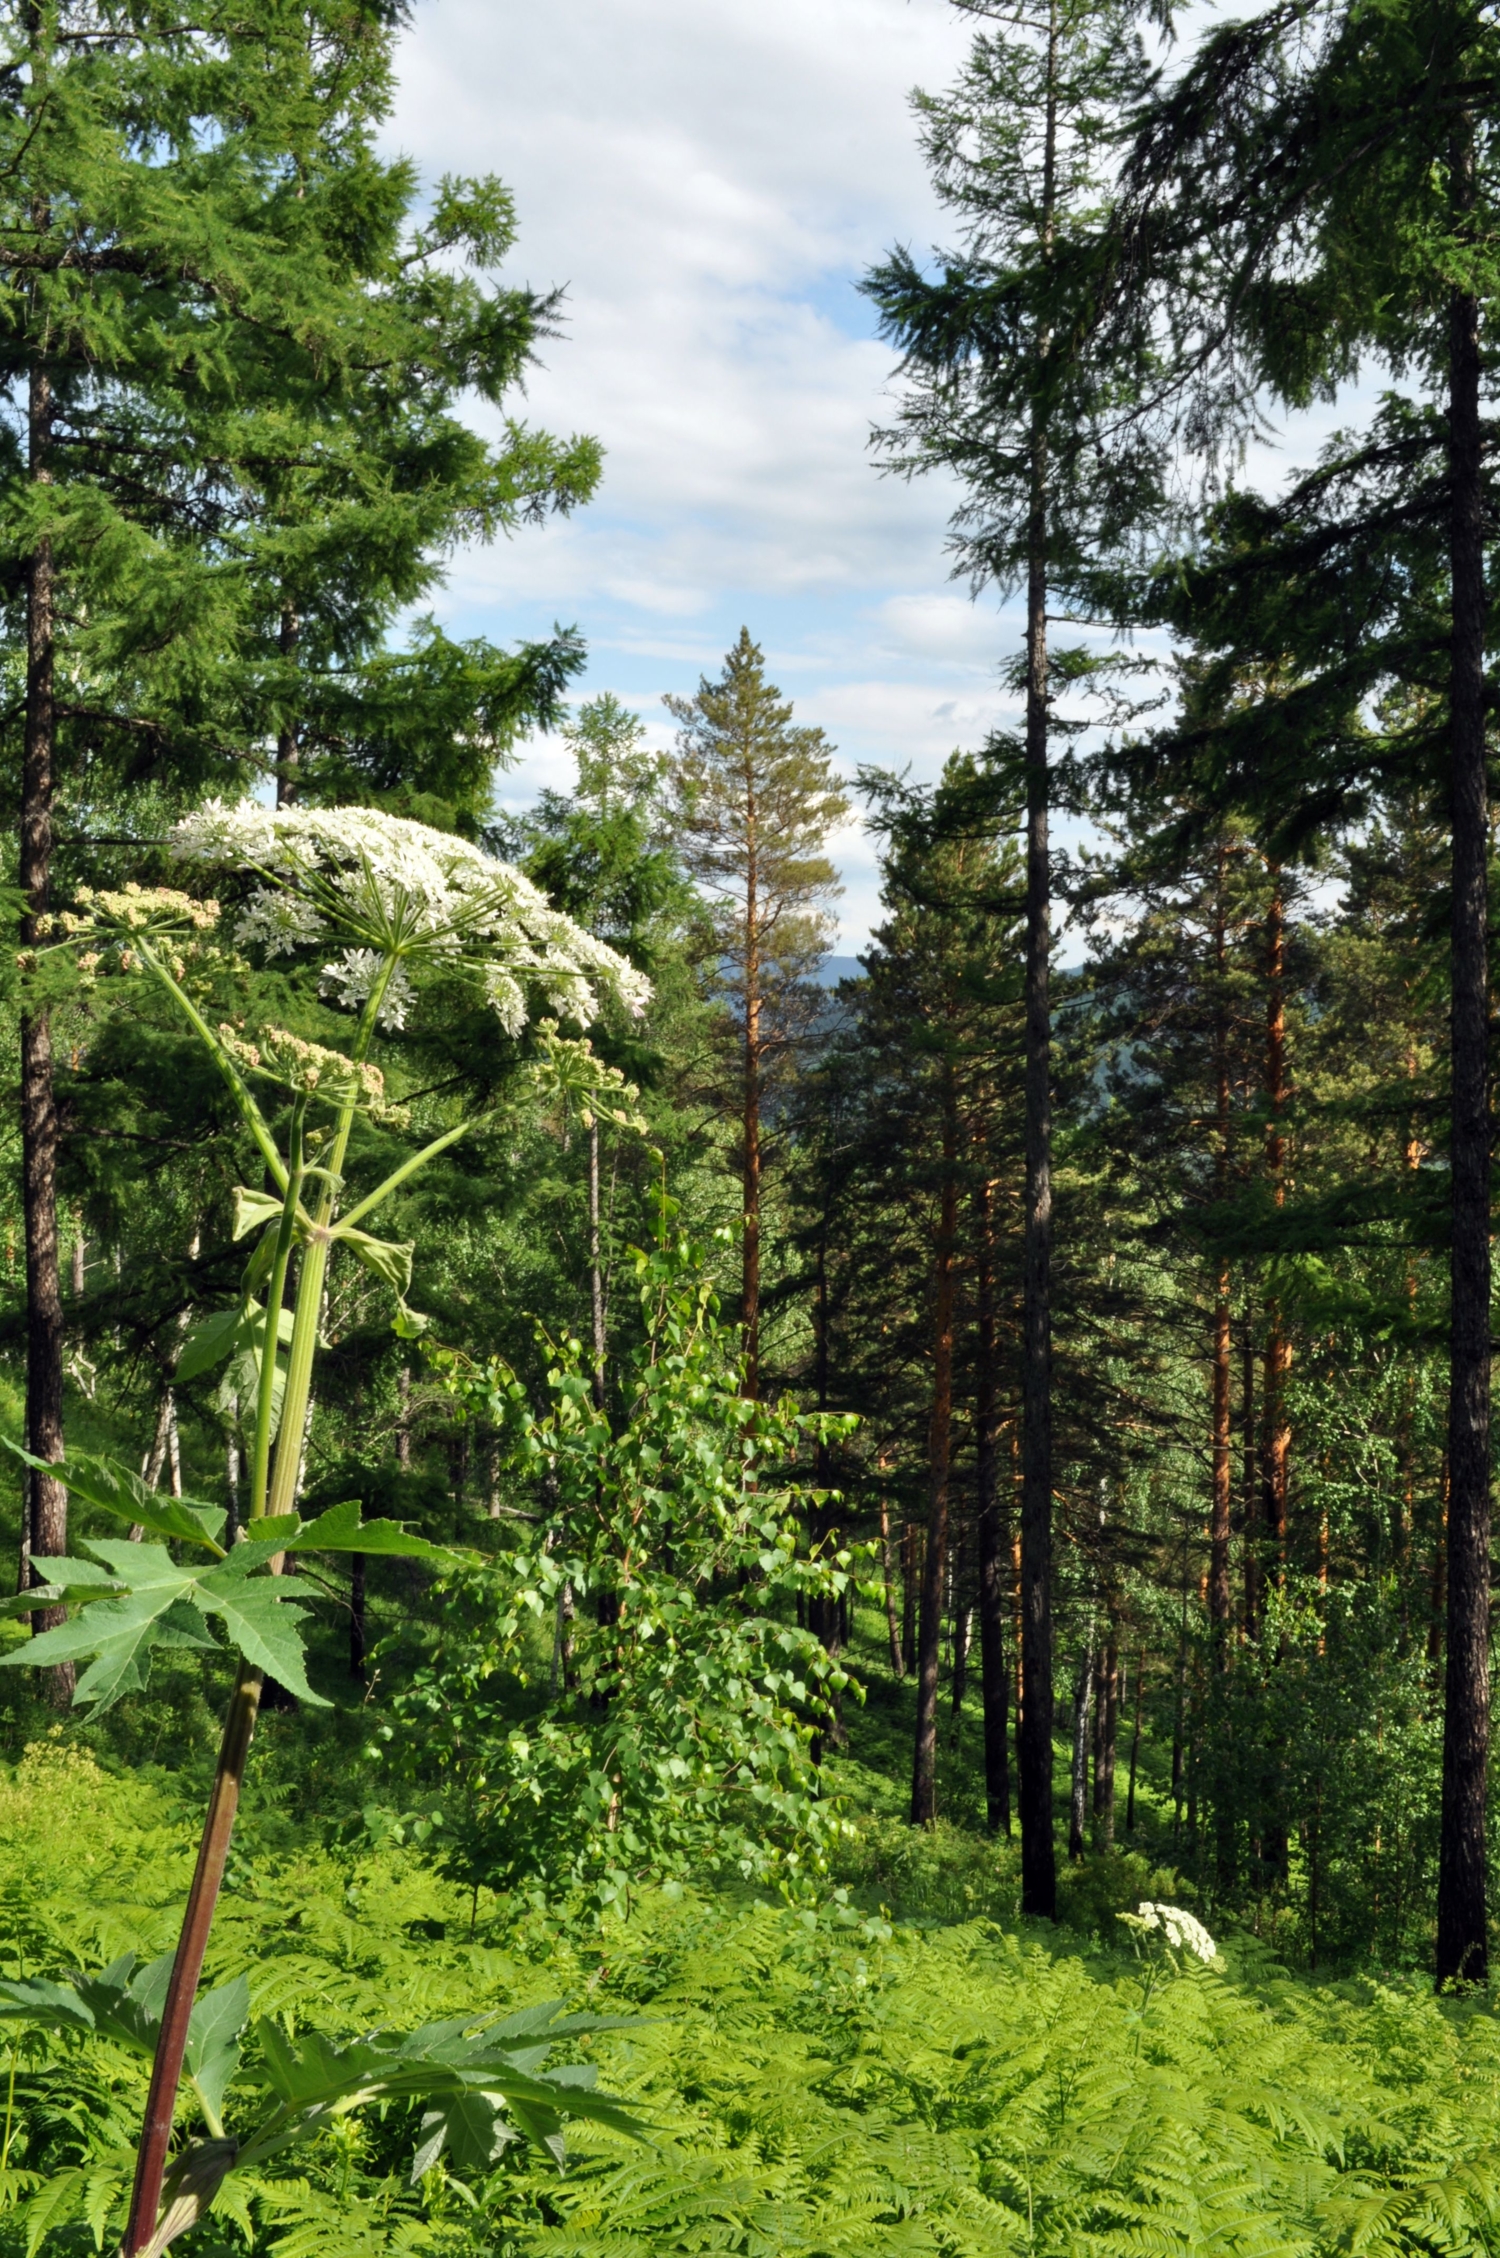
(1007, 389)
(756, 797)
(207, 281)
(351, 499)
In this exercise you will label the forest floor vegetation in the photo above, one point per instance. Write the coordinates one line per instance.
(901, 2066)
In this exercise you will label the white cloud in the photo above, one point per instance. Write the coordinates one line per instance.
(710, 183)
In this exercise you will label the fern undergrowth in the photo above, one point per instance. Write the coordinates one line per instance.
(817, 2084)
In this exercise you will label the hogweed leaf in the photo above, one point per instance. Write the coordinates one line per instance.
(253, 1210)
(209, 1342)
(340, 1529)
(260, 1622)
(117, 1489)
(389, 1259)
(153, 1601)
(37, 1999)
(213, 2043)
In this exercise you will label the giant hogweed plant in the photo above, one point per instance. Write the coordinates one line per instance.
(383, 906)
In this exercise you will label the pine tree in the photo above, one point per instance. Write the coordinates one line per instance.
(1318, 187)
(756, 797)
(1008, 390)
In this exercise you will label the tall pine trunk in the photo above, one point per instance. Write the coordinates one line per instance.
(1277, 1434)
(934, 1559)
(48, 1500)
(750, 1257)
(1251, 1479)
(991, 1534)
(892, 1623)
(288, 749)
(1462, 1949)
(1106, 1740)
(1083, 1698)
(1038, 1851)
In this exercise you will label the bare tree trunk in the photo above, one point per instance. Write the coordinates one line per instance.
(963, 1633)
(750, 1265)
(48, 1500)
(1278, 1357)
(911, 1578)
(1135, 1740)
(288, 752)
(924, 1755)
(1104, 1746)
(893, 1628)
(1462, 1930)
(1251, 1482)
(1082, 1703)
(1218, 1574)
(1038, 1850)
(992, 1598)
(1038, 1853)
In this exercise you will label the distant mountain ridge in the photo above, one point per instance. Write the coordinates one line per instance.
(834, 969)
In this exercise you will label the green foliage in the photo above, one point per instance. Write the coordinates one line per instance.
(135, 1598)
(813, 2083)
(665, 1559)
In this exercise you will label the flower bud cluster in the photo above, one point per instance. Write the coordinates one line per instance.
(311, 1069)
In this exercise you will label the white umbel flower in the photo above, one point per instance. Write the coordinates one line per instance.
(385, 892)
(1183, 1931)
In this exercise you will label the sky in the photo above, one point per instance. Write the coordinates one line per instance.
(709, 181)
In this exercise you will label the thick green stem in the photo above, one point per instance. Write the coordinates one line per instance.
(309, 1309)
(275, 1295)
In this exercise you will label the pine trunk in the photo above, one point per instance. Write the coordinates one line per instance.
(1135, 1740)
(892, 1624)
(750, 1190)
(1277, 1435)
(48, 1500)
(992, 1547)
(1038, 1850)
(934, 1563)
(1462, 1949)
(1105, 1743)
(1252, 1562)
(1083, 1698)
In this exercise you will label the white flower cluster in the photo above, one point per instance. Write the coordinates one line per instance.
(1183, 1931)
(396, 893)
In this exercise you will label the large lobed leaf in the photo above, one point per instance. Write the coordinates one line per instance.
(135, 1598)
